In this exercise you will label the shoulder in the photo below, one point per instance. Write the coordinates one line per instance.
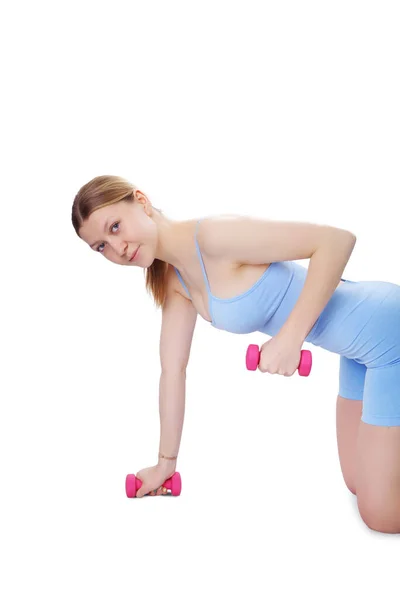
(218, 235)
(216, 232)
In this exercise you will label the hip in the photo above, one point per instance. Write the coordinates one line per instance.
(361, 321)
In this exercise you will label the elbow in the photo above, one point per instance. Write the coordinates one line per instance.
(350, 234)
(352, 237)
(347, 235)
(349, 241)
(336, 236)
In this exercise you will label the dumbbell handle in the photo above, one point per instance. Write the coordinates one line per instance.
(167, 484)
(253, 359)
(133, 484)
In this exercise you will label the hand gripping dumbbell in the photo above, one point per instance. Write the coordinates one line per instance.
(133, 484)
(253, 359)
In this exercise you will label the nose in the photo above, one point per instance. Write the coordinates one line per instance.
(120, 248)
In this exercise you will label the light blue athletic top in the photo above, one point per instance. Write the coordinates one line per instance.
(360, 322)
(265, 306)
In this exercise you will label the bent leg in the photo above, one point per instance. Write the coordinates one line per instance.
(378, 450)
(348, 413)
(378, 477)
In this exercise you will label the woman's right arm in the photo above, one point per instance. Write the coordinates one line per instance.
(178, 323)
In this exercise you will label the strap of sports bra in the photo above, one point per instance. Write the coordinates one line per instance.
(201, 258)
(182, 282)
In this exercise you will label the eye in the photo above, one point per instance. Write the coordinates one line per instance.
(111, 228)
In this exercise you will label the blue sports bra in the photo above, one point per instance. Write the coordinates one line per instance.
(265, 306)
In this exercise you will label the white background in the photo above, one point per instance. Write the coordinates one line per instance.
(286, 110)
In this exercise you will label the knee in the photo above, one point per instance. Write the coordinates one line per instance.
(381, 524)
(381, 518)
(351, 488)
(350, 484)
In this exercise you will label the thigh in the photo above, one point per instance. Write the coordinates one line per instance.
(378, 450)
(348, 415)
(377, 478)
(381, 399)
(351, 379)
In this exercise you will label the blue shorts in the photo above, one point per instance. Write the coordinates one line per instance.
(361, 322)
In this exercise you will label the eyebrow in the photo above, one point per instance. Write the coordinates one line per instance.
(104, 230)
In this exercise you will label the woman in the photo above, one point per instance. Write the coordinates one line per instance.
(239, 274)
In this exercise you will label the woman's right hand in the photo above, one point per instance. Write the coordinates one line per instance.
(152, 480)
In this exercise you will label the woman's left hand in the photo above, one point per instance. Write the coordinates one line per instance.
(280, 355)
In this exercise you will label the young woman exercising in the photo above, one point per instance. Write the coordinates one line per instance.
(239, 274)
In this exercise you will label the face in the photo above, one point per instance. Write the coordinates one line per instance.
(117, 230)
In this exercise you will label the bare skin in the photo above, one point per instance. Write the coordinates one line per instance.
(348, 417)
(139, 224)
(369, 454)
(369, 460)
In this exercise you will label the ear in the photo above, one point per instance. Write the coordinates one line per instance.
(140, 196)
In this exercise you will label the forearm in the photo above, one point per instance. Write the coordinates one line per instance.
(172, 410)
(324, 272)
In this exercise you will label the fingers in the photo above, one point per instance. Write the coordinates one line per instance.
(161, 491)
(143, 491)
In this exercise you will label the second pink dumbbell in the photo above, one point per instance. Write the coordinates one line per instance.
(133, 484)
(253, 359)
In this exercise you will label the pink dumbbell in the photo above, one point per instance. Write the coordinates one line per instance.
(133, 484)
(253, 358)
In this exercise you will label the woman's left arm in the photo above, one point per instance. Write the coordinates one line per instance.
(325, 269)
(246, 240)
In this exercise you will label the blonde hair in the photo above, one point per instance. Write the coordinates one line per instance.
(109, 189)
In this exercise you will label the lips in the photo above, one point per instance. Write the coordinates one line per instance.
(134, 254)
